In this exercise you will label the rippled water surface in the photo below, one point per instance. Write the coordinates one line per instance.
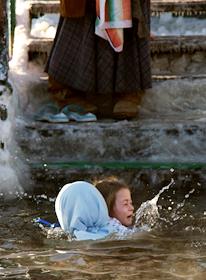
(175, 248)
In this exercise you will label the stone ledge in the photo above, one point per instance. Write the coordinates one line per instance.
(138, 140)
(40, 45)
(178, 77)
(178, 44)
(142, 181)
(41, 7)
(192, 7)
(161, 44)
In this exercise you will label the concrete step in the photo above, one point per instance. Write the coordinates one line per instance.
(38, 7)
(140, 140)
(170, 55)
(157, 78)
(142, 177)
(160, 44)
(170, 127)
(166, 140)
(192, 7)
(138, 144)
(182, 7)
(178, 44)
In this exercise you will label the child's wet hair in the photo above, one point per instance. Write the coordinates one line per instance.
(108, 188)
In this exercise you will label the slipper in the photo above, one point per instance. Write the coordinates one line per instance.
(57, 118)
(73, 108)
(77, 113)
(88, 117)
(45, 110)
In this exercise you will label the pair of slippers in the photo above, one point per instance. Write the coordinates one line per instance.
(51, 113)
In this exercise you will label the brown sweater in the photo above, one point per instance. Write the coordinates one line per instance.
(72, 8)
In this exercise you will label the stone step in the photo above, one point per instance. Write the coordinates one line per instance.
(40, 45)
(141, 176)
(178, 77)
(168, 133)
(178, 44)
(170, 55)
(170, 127)
(183, 7)
(41, 7)
(160, 44)
(141, 140)
(178, 55)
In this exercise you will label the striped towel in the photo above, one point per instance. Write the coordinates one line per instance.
(112, 17)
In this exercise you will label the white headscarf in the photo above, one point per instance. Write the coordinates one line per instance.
(82, 211)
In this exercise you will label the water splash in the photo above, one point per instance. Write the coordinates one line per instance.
(147, 213)
(180, 214)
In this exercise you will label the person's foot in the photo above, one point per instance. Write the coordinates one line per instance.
(67, 97)
(126, 107)
(63, 96)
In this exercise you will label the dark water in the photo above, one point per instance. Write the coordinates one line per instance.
(175, 247)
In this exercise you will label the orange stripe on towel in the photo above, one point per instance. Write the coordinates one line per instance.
(126, 7)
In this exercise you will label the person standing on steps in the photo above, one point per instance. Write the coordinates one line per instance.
(84, 69)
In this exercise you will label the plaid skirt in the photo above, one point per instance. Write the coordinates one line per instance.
(81, 60)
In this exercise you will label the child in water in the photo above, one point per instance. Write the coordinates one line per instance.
(119, 202)
(83, 213)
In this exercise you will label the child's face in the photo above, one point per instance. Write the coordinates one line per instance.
(123, 208)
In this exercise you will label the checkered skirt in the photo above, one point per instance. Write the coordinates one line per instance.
(81, 60)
